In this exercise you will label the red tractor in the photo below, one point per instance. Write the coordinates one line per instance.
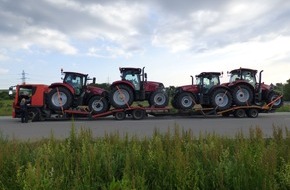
(207, 91)
(134, 86)
(247, 91)
(74, 92)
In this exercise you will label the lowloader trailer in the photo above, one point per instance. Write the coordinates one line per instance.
(139, 112)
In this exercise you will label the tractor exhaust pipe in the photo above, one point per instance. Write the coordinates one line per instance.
(192, 80)
(259, 86)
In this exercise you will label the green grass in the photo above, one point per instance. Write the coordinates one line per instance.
(5, 107)
(177, 159)
(284, 108)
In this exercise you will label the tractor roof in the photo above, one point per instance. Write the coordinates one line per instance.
(208, 74)
(243, 69)
(75, 73)
(134, 70)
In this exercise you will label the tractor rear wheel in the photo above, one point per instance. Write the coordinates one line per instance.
(185, 100)
(59, 98)
(242, 95)
(159, 99)
(221, 99)
(272, 97)
(173, 103)
(121, 96)
(98, 104)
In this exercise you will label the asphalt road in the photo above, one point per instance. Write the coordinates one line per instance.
(13, 128)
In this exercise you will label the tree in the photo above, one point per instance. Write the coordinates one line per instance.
(286, 91)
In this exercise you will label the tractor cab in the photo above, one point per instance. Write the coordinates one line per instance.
(134, 75)
(247, 75)
(77, 80)
(206, 80)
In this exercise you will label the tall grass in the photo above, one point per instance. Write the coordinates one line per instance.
(175, 160)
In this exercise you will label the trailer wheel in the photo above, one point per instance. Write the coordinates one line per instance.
(273, 96)
(252, 113)
(120, 115)
(240, 113)
(242, 95)
(185, 100)
(98, 104)
(221, 98)
(138, 114)
(121, 96)
(59, 98)
(159, 99)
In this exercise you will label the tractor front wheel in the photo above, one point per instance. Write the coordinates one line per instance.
(159, 99)
(273, 96)
(121, 96)
(185, 100)
(59, 98)
(221, 99)
(98, 104)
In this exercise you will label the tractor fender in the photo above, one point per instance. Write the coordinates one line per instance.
(218, 87)
(122, 82)
(70, 88)
(233, 85)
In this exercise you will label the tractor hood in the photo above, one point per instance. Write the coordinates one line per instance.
(95, 90)
(188, 88)
(266, 86)
(152, 86)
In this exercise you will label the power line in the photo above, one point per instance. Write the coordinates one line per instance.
(23, 78)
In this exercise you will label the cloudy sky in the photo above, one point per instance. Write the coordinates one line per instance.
(173, 39)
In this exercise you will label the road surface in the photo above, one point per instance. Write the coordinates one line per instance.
(13, 128)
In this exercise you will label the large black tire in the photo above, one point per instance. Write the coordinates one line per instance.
(138, 114)
(185, 100)
(242, 95)
(58, 99)
(221, 99)
(98, 104)
(273, 96)
(173, 103)
(159, 99)
(240, 113)
(121, 96)
(252, 113)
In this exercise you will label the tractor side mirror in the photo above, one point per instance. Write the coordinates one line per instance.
(145, 74)
(94, 80)
(10, 92)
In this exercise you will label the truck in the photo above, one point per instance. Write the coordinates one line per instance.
(205, 98)
(47, 101)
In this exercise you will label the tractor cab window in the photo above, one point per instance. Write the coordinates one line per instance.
(234, 77)
(249, 77)
(133, 78)
(25, 93)
(76, 81)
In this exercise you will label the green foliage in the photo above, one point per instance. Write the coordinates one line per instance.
(4, 95)
(5, 107)
(175, 160)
